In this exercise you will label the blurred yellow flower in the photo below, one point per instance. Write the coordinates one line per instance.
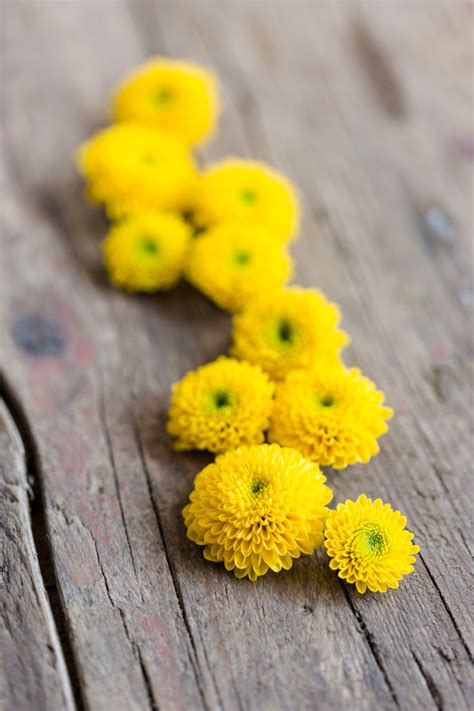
(288, 329)
(146, 252)
(220, 406)
(257, 508)
(234, 262)
(177, 97)
(247, 191)
(333, 416)
(131, 168)
(368, 544)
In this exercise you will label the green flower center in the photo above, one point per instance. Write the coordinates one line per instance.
(285, 331)
(149, 246)
(241, 259)
(326, 401)
(148, 159)
(258, 486)
(249, 197)
(163, 96)
(219, 401)
(370, 540)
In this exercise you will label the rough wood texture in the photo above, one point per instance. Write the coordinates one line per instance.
(369, 109)
(34, 672)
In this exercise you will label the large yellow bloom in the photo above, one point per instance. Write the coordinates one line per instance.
(234, 262)
(131, 168)
(247, 191)
(146, 252)
(333, 416)
(288, 329)
(368, 544)
(177, 97)
(220, 406)
(257, 508)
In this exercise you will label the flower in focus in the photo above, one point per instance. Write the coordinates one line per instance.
(146, 252)
(220, 406)
(232, 263)
(332, 415)
(369, 545)
(288, 329)
(130, 168)
(174, 96)
(247, 191)
(257, 508)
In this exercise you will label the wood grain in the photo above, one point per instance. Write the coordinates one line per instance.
(379, 154)
(34, 672)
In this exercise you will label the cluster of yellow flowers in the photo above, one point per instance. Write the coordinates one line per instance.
(226, 229)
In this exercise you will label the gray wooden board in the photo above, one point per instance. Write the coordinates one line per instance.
(368, 108)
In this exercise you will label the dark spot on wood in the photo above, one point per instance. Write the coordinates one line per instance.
(308, 609)
(380, 72)
(438, 226)
(39, 336)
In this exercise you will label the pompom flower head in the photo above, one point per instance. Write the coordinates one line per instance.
(257, 509)
(332, 415)
(234, 262)
(247, 191)
(220, 406)
(175, 96)
(288, 329)
(130, 168)
(369, 545)
(146, 252)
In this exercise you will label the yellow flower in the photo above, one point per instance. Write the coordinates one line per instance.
(146, 252)
(175, 96)
(233, 262)
(247, 191)
(132, 168)
(333, 416)
(289, 329)
(368, 544)
(257, 508)
(220, 406)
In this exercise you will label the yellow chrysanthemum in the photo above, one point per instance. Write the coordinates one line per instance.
(247, 191)
(177, 97)
(333, 416)
(146, 252)
(257, 508)
(369, 545)
(131, 168)
(234, 262)
(220, 406)
(289, 329)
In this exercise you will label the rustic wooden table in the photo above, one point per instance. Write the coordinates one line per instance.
(106, 604)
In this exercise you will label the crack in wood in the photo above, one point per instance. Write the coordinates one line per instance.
(432, 688)
(371, 643)
(176, 585)
(39, 530)
(103, 417)
(446, 606)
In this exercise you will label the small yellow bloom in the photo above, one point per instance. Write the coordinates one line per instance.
(288, 329)
(176, 97)
(130, 168)
(146, 252)
(333, 416)
(234, 262)
(257, 508)
(220, 406)
(368, 544)
(247, 191)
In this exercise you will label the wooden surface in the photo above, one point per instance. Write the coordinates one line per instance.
(105, 603)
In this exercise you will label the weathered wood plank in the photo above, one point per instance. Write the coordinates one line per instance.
(34, 674)
(152, 624)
